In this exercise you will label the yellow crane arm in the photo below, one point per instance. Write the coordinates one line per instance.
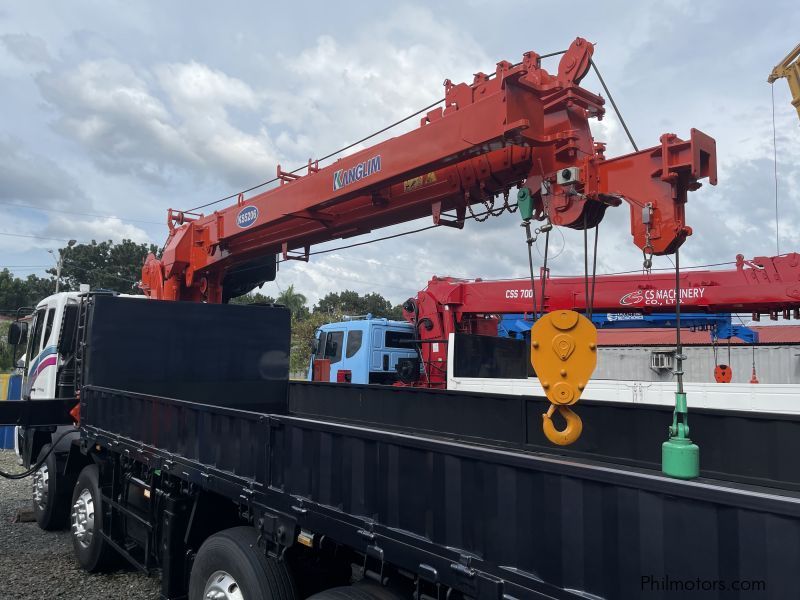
(789, 68)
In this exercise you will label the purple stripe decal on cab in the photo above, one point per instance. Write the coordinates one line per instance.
(47, 362)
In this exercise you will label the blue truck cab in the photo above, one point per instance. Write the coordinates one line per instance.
(361, 350)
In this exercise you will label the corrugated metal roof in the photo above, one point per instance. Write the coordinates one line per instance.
(777, 334)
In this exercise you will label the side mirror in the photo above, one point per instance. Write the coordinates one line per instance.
(315, 346)
(17, 333)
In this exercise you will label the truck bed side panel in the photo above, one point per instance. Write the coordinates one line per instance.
(533, 519)
(623, 433)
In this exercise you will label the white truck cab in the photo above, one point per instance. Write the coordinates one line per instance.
(43, 360)
(48, 363)
(46, 335)
(49, 369)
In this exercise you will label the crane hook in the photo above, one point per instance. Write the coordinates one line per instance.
(570, 433)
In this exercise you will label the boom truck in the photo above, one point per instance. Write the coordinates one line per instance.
(194, 457)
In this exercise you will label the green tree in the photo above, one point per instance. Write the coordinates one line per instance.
(295, 302)
(253, 298)
(352, 303)
(302, 339)
(39, 287)
(104, 265)
(5, 349)
(16, 292)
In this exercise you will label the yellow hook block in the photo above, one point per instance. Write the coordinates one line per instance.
(564, 356)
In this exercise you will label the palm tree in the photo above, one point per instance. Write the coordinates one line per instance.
(294, 301)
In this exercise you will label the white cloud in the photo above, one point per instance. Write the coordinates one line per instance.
(184, 112)
(194, 86)
(100, 229)
(117, 114)
(343, 88)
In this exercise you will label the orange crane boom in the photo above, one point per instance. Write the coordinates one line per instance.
(518, 127)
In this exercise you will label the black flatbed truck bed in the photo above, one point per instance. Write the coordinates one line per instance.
(465, 503)
(489, 521)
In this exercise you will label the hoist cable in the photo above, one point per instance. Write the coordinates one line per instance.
(545, 273)
(714, 344)
(529, 240)
(588, 311)
(614, 104)
(678, 347)
(775, 168)
(589, 297)
(594, 269)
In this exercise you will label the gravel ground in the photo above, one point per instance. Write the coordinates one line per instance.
(40, 564)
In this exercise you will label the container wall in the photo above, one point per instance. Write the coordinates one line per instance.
(774, 364)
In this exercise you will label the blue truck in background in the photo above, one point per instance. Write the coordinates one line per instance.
(363, 350)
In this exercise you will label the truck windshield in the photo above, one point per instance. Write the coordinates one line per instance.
(320, 349)
(398, 339)
(49, 327)
(36, 338)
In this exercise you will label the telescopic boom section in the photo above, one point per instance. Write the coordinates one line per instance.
(764, 285)
(520, 126)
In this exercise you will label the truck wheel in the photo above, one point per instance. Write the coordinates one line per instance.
(231, 566)
(91, 549)
(50, 501)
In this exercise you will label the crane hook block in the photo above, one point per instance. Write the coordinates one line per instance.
(569, 434)
(564, 356)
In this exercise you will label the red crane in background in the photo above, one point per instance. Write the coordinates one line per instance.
(518, 127)
(764, 285)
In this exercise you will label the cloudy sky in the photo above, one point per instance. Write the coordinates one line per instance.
(113, 112)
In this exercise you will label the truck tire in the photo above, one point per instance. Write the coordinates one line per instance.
(50, 493)
(231, 566)
(91, 548)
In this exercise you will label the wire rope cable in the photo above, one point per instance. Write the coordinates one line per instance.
(775, 171)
